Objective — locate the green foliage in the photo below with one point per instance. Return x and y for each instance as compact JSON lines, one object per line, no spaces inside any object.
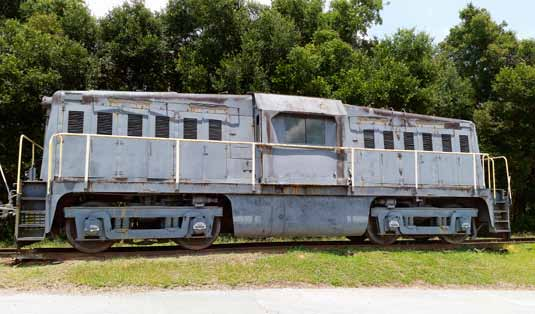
{"x":506,"y":125}
{"x":33,"y":63}
{"x":200,"y":34}
{"x":352,"y":18}
{"x":480,"y":48}
{"x":9,"y":9}
{"x":132,"y":52}
{"x":72,"y":15}
{"x":306,"y":15}
{"x":266,"y":44}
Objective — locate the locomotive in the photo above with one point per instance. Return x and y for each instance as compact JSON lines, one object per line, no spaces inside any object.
{"x":163,"y":166}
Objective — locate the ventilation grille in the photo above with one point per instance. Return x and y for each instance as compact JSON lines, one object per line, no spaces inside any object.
{"x":76,"y":122}
{"x":162,"y":127}
{"x":446,"y":143}
{"x":214,"y":130}
{"x":190,"y":128}
{"x":464,"y":144}
{"x":369,"y":139}
{"x":388,"y":138}
{"x":408,"y":140}
{"x":104,"y":123}
{"x":135,"y":125}
{"x":427,"y":139}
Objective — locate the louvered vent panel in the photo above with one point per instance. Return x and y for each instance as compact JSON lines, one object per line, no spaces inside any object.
{"x":190,"y":128}
{"x":427,"y":139}
{"x":446,"y":143}
{"x":408,"y":140}
{"x":135,"y":125}
{"x":162,"y":127}
{"x":464,"y":144}
{"x":214,"y":130}
{"x":104,"y":123}
{"x":76,"y":122}
{"x":369,"y":139}
{"x":388,"y":138}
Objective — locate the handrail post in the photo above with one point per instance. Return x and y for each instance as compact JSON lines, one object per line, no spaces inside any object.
{"x":33,"y":155}
{"x":19,"y":178}
{"x":87,"y":153}
{"x":489,"y":172}
{"x":50,"y":165}
{"x":493,"y":178}
{"x":416,"y":169}
{"x":177,"y":164}
{"x":253,"y":166}
{"x":474,"y":171}
{"x":353,"y":177}
{"x":60,"y":166}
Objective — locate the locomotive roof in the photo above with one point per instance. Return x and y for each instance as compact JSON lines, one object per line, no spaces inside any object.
{"x":263,"y":101}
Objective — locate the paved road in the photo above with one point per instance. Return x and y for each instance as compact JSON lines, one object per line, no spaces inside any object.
{"x":360,"y":301}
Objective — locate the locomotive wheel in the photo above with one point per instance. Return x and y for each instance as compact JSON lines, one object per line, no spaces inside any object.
{"x":197,"y":244}
{"x":90,"y":247}
{"x":455,"y":238}
{"x":373,"y":230}
{"x":357,"y":239}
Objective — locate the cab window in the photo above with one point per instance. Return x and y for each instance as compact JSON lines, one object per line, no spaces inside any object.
{"x":305,"y":130}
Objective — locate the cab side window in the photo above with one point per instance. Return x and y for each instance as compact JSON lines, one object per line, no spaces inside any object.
{"x":305,"y":130}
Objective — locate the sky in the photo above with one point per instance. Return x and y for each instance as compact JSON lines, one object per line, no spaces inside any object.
{"x":435,"y":17}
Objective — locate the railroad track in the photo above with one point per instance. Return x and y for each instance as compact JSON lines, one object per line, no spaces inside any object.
{"x":63,"y":254}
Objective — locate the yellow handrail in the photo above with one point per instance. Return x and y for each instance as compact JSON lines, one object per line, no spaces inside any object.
{"x":490,"y":164}
{"x":19,"y":177}
{"x":19,"y":167}
{"x":88,"y":137}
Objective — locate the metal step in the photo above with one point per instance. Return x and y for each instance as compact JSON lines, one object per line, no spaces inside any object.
{"x":25,"y":239}
{"x":33,"y":212}
{"x":31,"y":226}
{"x":32,"y":198}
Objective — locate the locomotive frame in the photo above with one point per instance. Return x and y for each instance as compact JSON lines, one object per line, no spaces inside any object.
{"x":353,"y":189}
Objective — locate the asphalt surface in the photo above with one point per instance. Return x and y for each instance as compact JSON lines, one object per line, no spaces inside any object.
{"x":414,"y":301}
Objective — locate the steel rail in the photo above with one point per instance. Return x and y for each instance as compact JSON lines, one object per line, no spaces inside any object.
{"x":173,"y":250}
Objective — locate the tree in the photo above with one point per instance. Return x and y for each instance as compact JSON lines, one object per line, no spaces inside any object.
{"x":480,"y":48}
{"x":200,"y":34}
{"x":266,"y":44}
{"x":305,"y":14}
{"x":132,"y":54}
{"x":9,"y":9}
{"x":506,"y":127}
{"x":451,"y":95}
{"x":352,"y":18}
{"x":73,"y":16}
{"x":526,"y":51}
{"x":33,"y":63}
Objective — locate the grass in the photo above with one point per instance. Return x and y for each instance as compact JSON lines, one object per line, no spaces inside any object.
{"x":512,"y":267}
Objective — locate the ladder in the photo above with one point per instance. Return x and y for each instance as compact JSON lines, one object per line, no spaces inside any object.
{"x":501,"y":212}
{"x":31,"y":212}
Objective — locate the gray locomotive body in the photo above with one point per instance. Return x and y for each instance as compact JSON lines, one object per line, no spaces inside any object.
{"x":136,"y":166}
